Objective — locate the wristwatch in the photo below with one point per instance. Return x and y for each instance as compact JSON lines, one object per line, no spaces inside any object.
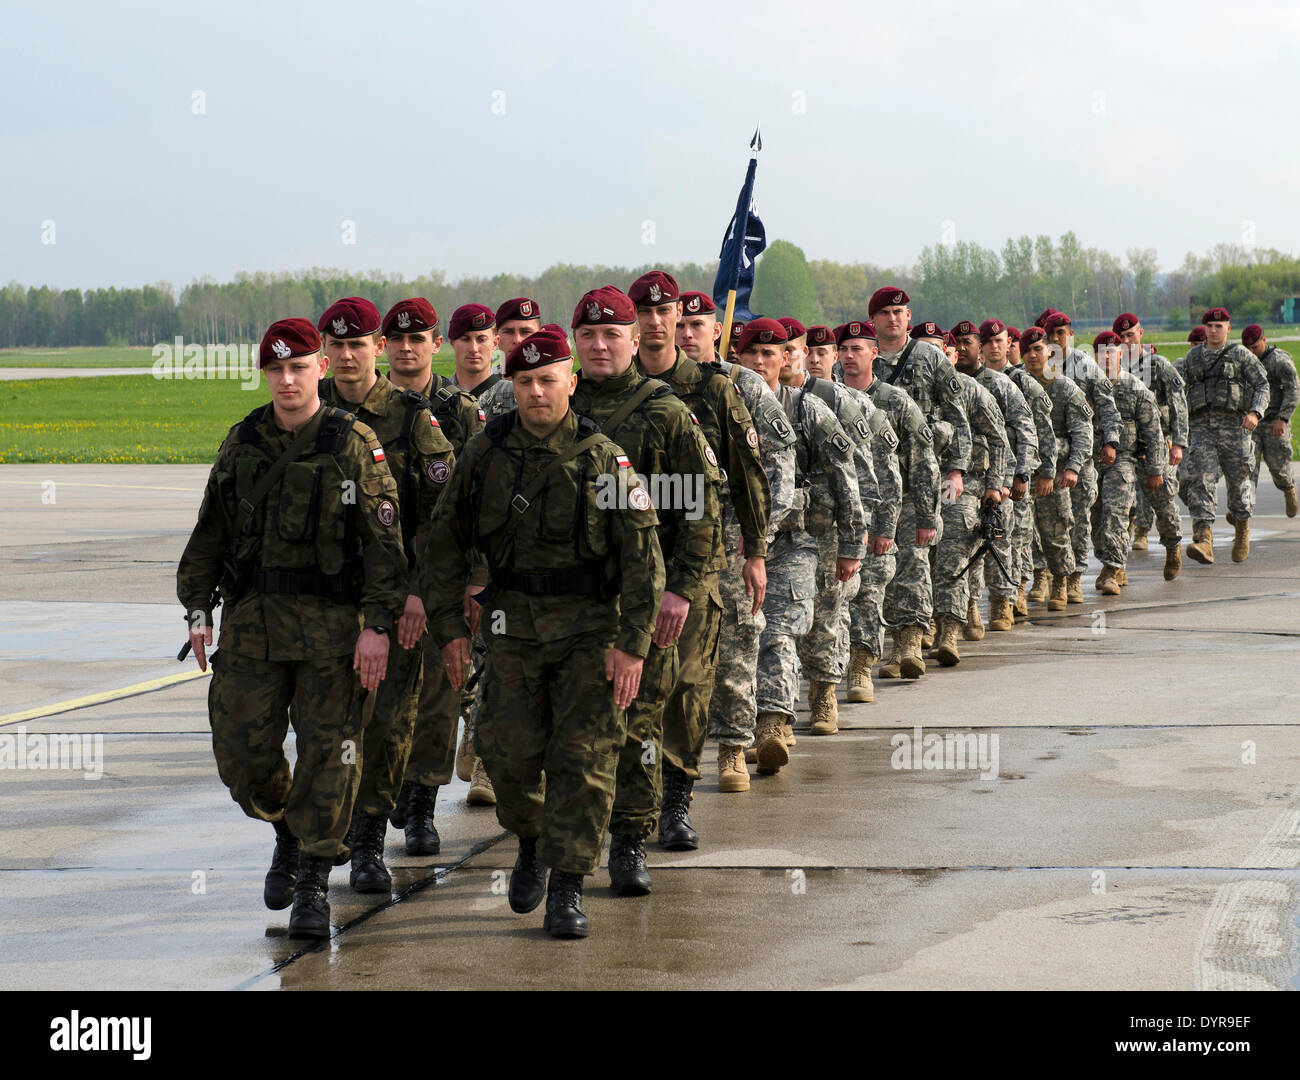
{"x":1023,"y":477}
{"x":378,"y":629}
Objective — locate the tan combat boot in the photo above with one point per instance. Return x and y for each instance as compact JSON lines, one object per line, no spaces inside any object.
{"x":787,"y":735}
{"x":1001,"y":616}
{"x":891,"y":668}
{"x":929,"y":633}
{"x":946,"y":651}
{"x":1021,"y":606}
{"x":480,"y":787}
{"x":770,"y":748}
{"x":1173,"y":560}
{"x":913,"y":665}
{"x":824,"y":709}
{"x":1042,"y":586}
{"x":1140,"y":540}
{"x":1121,"y":575}
{"x":860,"y":664}
{"x":1292,"y":501}
{"x":1202,"y":546}
{"x":1241,"y":542}
{"x":974,"y":628}
{"x":1074,"y":588}
{"x":1107,"y":582}
{"x":1059,"y":597}
{"x":732,"y":774}
{"x":465,"y":758}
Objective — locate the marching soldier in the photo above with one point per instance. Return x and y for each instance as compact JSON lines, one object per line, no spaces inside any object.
{"x":474,"y":338}
{"x":1273,"y":435}
{"x":299,"y":534}
{"x":820,"y":360}
{"x":567,"y":532}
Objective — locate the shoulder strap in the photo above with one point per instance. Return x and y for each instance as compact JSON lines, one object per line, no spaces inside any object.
{"x":249,"y":505}
{"x":641,"y":394}
{"x":892,"y":377}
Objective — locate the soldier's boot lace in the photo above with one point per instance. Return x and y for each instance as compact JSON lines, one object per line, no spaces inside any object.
{"x":421,"y":834}
{"x":564,"y":915}
{"x":676,"y":833}
{"x":310,"y":917}
{"x":369,"y":874}
{"x":528,"y":878}
{"x":628,"y":875}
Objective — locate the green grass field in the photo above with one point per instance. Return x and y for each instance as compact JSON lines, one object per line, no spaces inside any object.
{"x":106,"y":357}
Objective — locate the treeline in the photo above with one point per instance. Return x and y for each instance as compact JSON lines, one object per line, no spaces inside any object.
{"x":949,"y":282}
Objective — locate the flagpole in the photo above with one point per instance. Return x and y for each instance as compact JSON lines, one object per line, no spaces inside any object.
{"x":724,"y":345}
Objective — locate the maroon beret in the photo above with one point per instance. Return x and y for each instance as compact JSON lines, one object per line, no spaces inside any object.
{"x":964,"y":328}
{"x":926,"y":329}
{"x":820,"y":335}
{"x":1055,"y":319}
{"x":350,"y":317}
{"x":1252,"y":334}
{"x":1031,"y":336}
{"x":949,"y":339}
{"x":697,"y":303}
{"x":286,"y":338}
{"x":1216,"y":314}
{"x":1197,"y":335}
{"x":1124,"y":322}
{"x":761,"y":332}
{"x":737,"y":328}
{"x":887,"y":296}
{"x":469,"y":317}
{"x":848,"y":330}
{"x":793,"y":327}
{"x":411,"y":317}
{"x":654,"y":288}
{"x":549,"y":345}
{"x":1013,"y":334}
{"x":521,"y":307}
{"x":1041,"y":321}
{"x":989,"y":329}
{"x":1106,"y":337}
{"x":606,"y":306}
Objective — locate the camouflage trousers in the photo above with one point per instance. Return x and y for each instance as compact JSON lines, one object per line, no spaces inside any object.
{"x":866,"y":610}
{"x":1082,"y":496}
{"x":788,"y":608}
{"x":387,"y":741}
{"x":686,"y":713}
{"x":639,"y":786}
{"x":986,"y":568}
{"x":732,"y":708}
{"x":1275,"y":452}
{"x":1053,"y":524}
{"x":1020,"y":540}
{"x":1117,"y":486}
{"x":249,"y":706}
{"x":548,"y":707}
{"x":433,"y":742}
{"x":824,"y":650}
{"x":909,"y":597}
{"x":1161,"y":509}
{"x":1219,"y":444}
{"x":961,"y":536}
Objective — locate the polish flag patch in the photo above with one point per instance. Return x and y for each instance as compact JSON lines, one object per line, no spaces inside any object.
{"x":433,"y":421}
{"x":623,"y":462}
{"x":378,"y":451}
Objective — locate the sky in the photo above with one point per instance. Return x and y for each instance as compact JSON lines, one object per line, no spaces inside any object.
{"x":167,"y":142}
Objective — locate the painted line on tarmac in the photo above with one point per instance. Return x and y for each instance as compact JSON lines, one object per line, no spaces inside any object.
{"x":117,"y":487}
{"x":99,"y":699}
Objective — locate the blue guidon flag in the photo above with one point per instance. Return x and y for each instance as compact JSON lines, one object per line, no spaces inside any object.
{"x":744,"y":241}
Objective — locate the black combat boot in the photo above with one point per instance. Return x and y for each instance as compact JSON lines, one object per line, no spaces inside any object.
{"x":310,"y":917}
{"x":528,"y":878}
{"x":675,"y":830}
{"x":421,"y":837}
{"x":627,"y":873}
{"x":564,"y":917}
{"x":369,"y":874}
{"x":397,"y":819}
{"x":278,"y":891}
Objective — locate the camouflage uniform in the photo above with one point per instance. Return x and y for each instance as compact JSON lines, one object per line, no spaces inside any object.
{"x":663,"y":440}
{"x":498,"y":399}
{"x":290,"y":620}
{"x":1222,"y":386}
{"x":1161,"y":377}
{"x":1141,"y":440}
{"x":576,"y":581}
{"x":1084,"y":372}
{"x":1283,"y":397}
{"x":421,"y":460}
{"x":732,"y":707}
{"x":821,"y":447}
{"x":1040,"y":407}
{"x":726,"y":424}
{"x":1054,"y":513}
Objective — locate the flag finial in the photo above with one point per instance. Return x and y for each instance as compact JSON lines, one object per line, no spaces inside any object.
{"x":756,"y":143}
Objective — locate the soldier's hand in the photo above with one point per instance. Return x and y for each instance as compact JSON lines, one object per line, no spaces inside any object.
{"x":1068,"y":479}
{"x":410,"y":627}
{"x":1042,"y":486}
{"x":1279,"y":426}
{"x":1006,"y":494}
{"x":1250,"y":422}
{"x":371,"y":658}
{"x":455,"y":659}
{"x":1107,"y":456}
{"x":992,"y":495}
{"x":473,"y":609}
{"x":925,"y":537}
{"x":755,"y":575}
{"x":1175,"y":455}
{"x":881,"y":545}
{"x":672,"y":617}
{"x":846,"y":568}
{"x":1154,"y":482}
{"x":1018,"y":489}
{"x":953,"y":486}
{"x":624,"y":671}
{"x":198,"y":639}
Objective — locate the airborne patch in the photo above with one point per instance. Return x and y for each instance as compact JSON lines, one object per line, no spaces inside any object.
{"x":386,"y":512}
{"x":708,"y":453}
{"x":638,"y":499}
{"x":925,"y":434}
{"x":751,"y":437}
{"x":862,"y":427}
{"x":891,"y":440}
{"x":954,"y":385}
{"x":840,"y":443}
{"x":438,"y":472}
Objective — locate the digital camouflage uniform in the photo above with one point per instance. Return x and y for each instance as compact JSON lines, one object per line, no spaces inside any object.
{"x":1283,"y":397}
{"x":733,"y":441}
{"x":290,"y":622}
{"x":663,"y":440}
{"x":1054,"y":513}
{"x":421,"y":460}
{"x":1161,"y":377}
{"x":1084,"y":372}
{"x":577,"y":580}
{"x":1022,"y":533}
{"x":1141,"y":450}
{"x":1222,"y":386}
{"x":733,"y":707}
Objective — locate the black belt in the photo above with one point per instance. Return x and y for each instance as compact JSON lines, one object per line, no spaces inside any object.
{"x":311,"y":582}
{"x":549,"y":582}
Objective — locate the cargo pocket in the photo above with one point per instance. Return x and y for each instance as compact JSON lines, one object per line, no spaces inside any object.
{"x":298,"y":507}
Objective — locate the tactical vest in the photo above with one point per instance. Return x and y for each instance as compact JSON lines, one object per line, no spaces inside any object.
{"x":858,"y":429}
{"x":1213,"y":381}
{"x":1275,"y":391}
{"x":702,"y":408}
{"x":443,"y":394}
{"x":300,"y":539}
{"x":905,"y":375}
